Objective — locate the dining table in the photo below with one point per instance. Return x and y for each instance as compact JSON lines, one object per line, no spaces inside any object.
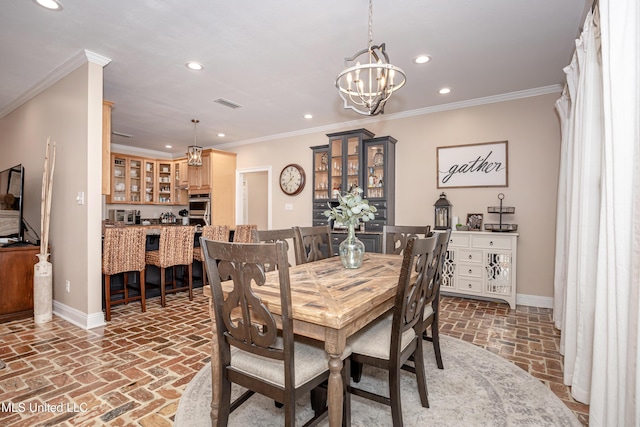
{"x":329,"y":304}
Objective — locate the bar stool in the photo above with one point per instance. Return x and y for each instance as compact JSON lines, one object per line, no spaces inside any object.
{"x":123,"y":252}
{"x":176,"y":249}
{"x":218,"y":233}
{"x":242,"y":233}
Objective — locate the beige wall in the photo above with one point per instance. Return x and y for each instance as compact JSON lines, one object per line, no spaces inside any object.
{"x":70,"y":112}
{"x":532,"y":129}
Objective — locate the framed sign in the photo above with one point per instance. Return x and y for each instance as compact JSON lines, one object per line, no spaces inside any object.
{"x":473,"y":165}
{"x":474,"y":221}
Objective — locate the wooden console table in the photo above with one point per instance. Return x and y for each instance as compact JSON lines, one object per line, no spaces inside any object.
{"x":16,"y":281}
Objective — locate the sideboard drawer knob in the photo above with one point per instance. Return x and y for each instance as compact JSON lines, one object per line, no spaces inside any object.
{"x":470,"y":257}
{"x":491,"y":243}
{"x":470,"y":286}
{"x":470,"y":271}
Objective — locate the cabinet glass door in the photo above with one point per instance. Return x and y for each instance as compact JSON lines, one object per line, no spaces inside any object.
{"x":135,"y":180}
{"x":164,"y":182}
{"x":335,"y":147}
{"x":321,"y":175}
{"x":149,"y":181}
{"x":352,"y":163}
{"x":375,"y":158}
{"x":119,"y":165}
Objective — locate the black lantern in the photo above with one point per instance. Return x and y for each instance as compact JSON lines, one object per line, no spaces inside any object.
{"x":442,"y":220}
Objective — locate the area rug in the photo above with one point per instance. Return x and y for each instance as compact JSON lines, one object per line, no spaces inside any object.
{"x":475,"y":388}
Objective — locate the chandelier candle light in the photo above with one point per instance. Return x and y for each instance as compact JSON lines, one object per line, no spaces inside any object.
{"x":194,"y":152}
{"x":351,"y":209}
{"x":366,"y":86}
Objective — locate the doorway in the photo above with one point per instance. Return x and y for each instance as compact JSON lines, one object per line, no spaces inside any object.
{"x":253,"y":197}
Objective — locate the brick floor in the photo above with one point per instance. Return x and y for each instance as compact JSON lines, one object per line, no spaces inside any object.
{"x":134,"y":370}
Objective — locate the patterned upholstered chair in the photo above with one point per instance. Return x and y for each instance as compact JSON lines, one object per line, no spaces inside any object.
{"x":252,"y":350}
{"x":175,"y":250}
{"x":402,"y":329}
{"x":219,"y":233}
{"x":242,"y":233}
{"x":123,"y":252}
{"x":395,"y":237}
{"x":313,"y":243}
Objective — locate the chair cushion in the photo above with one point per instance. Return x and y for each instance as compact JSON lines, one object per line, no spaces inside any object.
{"x":309,"y":362}
{"x":428,"y":311}
{"x":375,"y":339}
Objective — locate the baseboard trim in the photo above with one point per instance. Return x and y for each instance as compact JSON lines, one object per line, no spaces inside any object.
{"x":534,"y":301}
{"x":78,"y":318}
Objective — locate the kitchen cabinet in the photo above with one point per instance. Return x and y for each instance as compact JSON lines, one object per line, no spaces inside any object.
{"x":481,"y":264}
{"x":119,"y":179}
{"x":181,"y":182}
{"x":216,"y":177}
{"x":164,"y":182}
{"x":200,"y":176}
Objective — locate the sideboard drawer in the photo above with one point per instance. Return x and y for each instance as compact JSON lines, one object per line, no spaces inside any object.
{"x":470,"y":285}
{"x":459,"y":240}
{"x":492,"y":242}
{"x":471,"y":270}
{"x":470,"y":255}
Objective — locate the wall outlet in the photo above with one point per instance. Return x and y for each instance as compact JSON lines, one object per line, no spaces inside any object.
{"x":67,"y":286}
{"x":288,"y":206}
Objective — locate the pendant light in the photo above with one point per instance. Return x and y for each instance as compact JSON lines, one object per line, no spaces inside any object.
{"x":194,"y":152}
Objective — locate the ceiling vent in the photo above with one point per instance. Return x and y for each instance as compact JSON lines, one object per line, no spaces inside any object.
{"x":124,"y":135}
{"x":227,"y":103}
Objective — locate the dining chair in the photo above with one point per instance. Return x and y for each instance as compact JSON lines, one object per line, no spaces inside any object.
{"x":271,"y":236}
{"x":211,"y":232}
{"x":431,"y":308}
{"x":175,"y":250}
{"x":251,"y":350}
{"x":242,"y":233}
{"x":123,"y":252}
{"x":313,"y":243}
{"x":392,"y":340}
{"x":395,"y":237}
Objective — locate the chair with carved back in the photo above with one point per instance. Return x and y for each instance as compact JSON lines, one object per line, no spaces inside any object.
{"x":431,"y":308}
{"x":123,"y":252}
{"x":271,"y":236}
{"x":395,"y":237}
{"x":392,"y":340}
{"x":211,"y":232}
{"x":251,"y":351}
{"x":242,"y":233}
{"x":313,"y":243}
{"x":175,"y":250}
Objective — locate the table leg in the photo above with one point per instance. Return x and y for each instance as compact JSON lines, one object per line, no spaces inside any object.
{"x":334,"y":393}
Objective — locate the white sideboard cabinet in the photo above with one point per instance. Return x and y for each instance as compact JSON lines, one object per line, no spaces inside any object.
{"x":481,"y":264}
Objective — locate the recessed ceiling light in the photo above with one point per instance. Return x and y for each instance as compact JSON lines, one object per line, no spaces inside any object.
{"x":308,"y":116}
{"x":49,"y":4}
{"x":221,"y":135}
{"x":168,"y":146}
{"x":422,"y":59}
{"x":444,"y":91}
{"x":193,"y":65}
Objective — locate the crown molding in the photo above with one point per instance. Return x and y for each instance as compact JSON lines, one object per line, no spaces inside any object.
{"x":54,"y":76}
{"x":394,"y":116}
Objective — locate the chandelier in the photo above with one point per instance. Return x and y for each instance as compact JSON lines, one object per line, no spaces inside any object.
{"x":367,"y":85}
{"x":194,"y":152}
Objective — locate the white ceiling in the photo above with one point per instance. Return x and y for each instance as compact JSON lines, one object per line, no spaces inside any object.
{"x":279,"y":58}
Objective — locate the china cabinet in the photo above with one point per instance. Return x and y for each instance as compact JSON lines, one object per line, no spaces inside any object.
{"x":379,"y":162}
{"x":355,"y":159}
{"x":481,"y":264}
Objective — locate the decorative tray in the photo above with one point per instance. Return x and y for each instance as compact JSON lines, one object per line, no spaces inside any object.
{"x":501,"y":227}
{"x":501,"y":209}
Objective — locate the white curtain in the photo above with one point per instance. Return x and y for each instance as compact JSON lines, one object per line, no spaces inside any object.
{"x":597,"y":275}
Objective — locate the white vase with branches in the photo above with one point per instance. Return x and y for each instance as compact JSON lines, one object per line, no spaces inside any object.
{"x":43,"y":271}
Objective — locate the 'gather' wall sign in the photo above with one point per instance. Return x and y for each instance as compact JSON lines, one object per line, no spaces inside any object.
{"x":473,"y":165}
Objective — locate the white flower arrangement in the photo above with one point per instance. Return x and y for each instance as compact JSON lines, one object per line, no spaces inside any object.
{"x":351,"y":209}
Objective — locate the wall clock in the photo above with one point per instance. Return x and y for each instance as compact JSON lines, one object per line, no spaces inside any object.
{"x":292,"y":179}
